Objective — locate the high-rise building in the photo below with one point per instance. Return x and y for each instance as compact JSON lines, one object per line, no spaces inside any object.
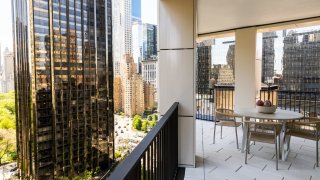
{"x":230,"y":56}
{"x":132,"y":87}
{"x":137,"y":90}
{"x":127,"y":27}
{"x":7,"y":76}
{"x":64,"y":78}
{"x":149,"y":95}
{"x":225,"y":75}
{"x":117,"y":34}
{"x":149,"y":41}
{"x":149,"y":71}
{"x":149,"y":76}
{"x":301,"y":62}
{"x":117,"y":87}
{"x":137,"y":43}
{"x":136,"y":10}
{"x":204,"y":66}
{"x":268,"y":55}
{"x":122,"y":32}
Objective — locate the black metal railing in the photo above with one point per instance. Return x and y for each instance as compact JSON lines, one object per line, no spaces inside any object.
{"x":205,"y":105}
{"x":307,"y":103}
{"x":156,"y":157}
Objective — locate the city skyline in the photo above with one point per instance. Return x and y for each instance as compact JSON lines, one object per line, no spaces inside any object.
{"x":220,"y":47}
{"x":148,"y":15}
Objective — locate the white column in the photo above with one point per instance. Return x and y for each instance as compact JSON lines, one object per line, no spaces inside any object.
{"x":247,"y":68}
{"x":176,"y":70}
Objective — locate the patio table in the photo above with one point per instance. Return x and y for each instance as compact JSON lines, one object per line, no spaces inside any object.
{"x":280,"y":115}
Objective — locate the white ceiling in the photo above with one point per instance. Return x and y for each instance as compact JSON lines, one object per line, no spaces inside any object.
{"x":220,"y":15}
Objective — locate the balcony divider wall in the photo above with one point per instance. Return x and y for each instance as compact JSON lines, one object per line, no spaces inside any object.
{"x":177,"y":70}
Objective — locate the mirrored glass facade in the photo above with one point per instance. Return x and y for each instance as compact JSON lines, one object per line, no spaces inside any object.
{"x":63,"y":81}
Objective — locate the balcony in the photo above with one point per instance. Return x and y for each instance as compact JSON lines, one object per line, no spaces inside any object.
{"x":222,"y":160}
{"x":183,"y":23}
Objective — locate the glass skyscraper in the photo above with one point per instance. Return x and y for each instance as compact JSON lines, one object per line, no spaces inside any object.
{"x":149,"y":41}
{"x":63,"y":84}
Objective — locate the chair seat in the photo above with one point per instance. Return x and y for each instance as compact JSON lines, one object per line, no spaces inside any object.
{"x":229,"y":123}
{"x":262,"y":137}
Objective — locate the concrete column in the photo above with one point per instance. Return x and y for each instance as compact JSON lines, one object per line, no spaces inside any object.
{"x":177,"y":70}
{"x":247,"y":68}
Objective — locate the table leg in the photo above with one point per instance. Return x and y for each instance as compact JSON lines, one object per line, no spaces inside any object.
{"x":244,"y":137}
{"x":284,"y":142}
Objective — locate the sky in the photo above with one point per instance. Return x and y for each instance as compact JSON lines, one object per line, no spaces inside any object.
{"x":149,"y":11}
{"x":5,"y":24}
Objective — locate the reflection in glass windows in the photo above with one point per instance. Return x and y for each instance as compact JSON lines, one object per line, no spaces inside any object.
{"x":64,"y":97}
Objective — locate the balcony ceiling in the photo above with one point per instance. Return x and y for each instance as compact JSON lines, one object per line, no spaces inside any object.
{"x":220,"y":15}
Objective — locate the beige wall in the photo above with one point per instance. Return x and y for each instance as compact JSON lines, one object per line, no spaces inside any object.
{"x":176,"y":70}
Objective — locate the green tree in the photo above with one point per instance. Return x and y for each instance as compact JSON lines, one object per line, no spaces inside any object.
{"x":7,"y":145}
{"x":63,"y":178}
{"x":7,"y":110}
{"x":149,"y":118}
{"x":137,"y":122}
{"x":77,"y":178}
{"x":87,"y":175}
{"x":155,"y":117}
{"x":10,"y":105}
{"x":144,"y":126}
{"x":153,"y":123}
{"x":7,"y":123}
{"x":7,"y":128}
{"x":137,"y":117}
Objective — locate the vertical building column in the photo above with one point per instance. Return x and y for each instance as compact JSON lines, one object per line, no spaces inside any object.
{"x":247,"y":69}
{"x":176,"y":70}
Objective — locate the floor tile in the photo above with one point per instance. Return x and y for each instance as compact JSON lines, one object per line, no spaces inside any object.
{"x":223,"y":160}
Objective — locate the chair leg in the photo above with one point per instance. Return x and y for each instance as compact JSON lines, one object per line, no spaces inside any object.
{"x":248,"y":142}
{"x":247,"y":148}
{"x":221,"y":133}
{"x":214,"y":133}
{"x":279,"y":148}
{"x":317,"y":151}
{"x":277,"y":156}
{"x":237,"y":137}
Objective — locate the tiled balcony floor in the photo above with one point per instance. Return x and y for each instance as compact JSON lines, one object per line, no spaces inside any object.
{"x":221,"y":161}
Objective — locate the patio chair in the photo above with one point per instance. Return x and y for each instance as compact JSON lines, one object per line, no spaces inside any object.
{"x":264,"y":131}
{"x":308,"y":128}
{"x":226,"y":117}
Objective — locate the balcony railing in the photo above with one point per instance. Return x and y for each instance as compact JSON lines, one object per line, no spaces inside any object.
{"x":307,"y":103}
{"x":156,"y":157}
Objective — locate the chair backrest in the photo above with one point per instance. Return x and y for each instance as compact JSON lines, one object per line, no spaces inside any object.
{"x":307,"y":124}
{"x":264,"y":126}
{"x":225,"y":115}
